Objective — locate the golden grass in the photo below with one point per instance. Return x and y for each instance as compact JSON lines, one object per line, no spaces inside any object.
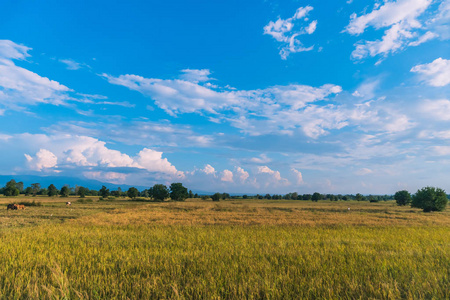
{"x":227,"y":250}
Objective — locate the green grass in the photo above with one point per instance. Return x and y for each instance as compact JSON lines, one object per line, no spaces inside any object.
{"x":228,"y":250}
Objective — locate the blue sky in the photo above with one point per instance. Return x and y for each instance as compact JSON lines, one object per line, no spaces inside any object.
{"x":242,"y":97}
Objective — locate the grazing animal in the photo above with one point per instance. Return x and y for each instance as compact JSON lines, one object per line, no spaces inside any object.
{"x":348,"y":208}
{"x":68,"y":203}
{"x":19,"y":206}
{"x":11,"y":206}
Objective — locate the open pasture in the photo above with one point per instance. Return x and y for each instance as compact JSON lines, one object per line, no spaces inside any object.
{"x":256,"y":249}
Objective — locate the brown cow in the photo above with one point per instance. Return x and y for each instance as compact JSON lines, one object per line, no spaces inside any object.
{"x":11,"y":206}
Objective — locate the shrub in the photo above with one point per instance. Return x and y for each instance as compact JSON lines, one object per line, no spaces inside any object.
{"x":402,"y":197}
{"x":28,"y":203}
{"x":430,"y":199}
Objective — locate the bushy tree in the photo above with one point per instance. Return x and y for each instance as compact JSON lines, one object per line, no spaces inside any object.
{"x":316,"y":197}
{"x":216,"y":197}
{"x":52,"y":190}
{"x":178,"y":192}
{"x":430,"y":199}
{"x":359,"y":197}
{"x":306,"y":197}
{"x":160,"y":192}
{"x":28,"y":191}
{"x":82,"y":191}
{"x":402,"y":197}
{"x":104,"y":192}
{"x":36,"y":188}
{"x":11,"y":189}
{"x":65,"y":191}
{"x":132,"y":192}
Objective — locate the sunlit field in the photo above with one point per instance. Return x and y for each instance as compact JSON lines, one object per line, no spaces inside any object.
{"x":234,"y":249}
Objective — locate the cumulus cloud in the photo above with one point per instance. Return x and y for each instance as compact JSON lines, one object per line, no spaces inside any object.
{"x":288,"y":30}
{"x":68,"y":152}
{"x":43,"y":159}
{"x":436,"y":73}
{"x":405,"y":23}
{"x":241,"y":174}
{"x":208,"y":169}
{"x":298,"y":176}
{"x":227,"y":176}
{"x":271,"y":177}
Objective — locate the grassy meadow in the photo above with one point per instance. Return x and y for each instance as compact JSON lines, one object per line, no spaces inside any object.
{"x":234,"y":249}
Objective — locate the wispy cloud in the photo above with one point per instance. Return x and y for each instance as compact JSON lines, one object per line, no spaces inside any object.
{"x":287,"y":31}
{"x":436,"y":73}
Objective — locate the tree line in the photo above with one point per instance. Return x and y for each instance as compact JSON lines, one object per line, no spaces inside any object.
{"x":427,"y":198}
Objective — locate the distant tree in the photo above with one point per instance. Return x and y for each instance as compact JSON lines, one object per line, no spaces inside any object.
{"x":115,"y":194}
{"x":226,"y":196}
{"x":104,"y":192}
{"x":244,"y":196}
{"x":306,"y":197}
{"x":52,"y":190}
{"x":36,"y":188}
{"x":267,"y":196}
{"x":178,"y":192}
{"x":160,"y":192}
{"x":11,"y":189}
{"x":402,"y":197}
{"x":19,"y":186}
{"x":196,"y":195}
{"x":43,"y":191}
{"x":316,"y":197}
{"x":191,"y":194}
{"x":82,"y":191}
{"x":28,"y":191}
{"x":359,"y":197}
{"x":144,"y":193}
{"x":65,"y":191}
{"x":345,"y":198}
{"x":430,"y":199}
{"x":216,"y":197}
{"x":132,"y":192}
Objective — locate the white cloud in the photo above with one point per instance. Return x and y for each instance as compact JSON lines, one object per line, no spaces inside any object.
{"x":71,"y":64}
{"x":208,"y":169}
{"x":262,"y":159}
{"x":43,"y":159}
{"x":436,"y":73}
{"x":267,"y":170}
{"x":195,"y":75}
{"x":363,"y":171}
{"x":283,"y":31}
{"x":111,"y":177}
{"x":441,"y":150}
{"x":298,"y":176}
{"x":244,"y":109}
{"x":404,"y":28}
{"x":22,"y":87}
{"x":227,"y":176}
{"x":69,"y":152}
{"x":436,"y":109}
{"x":241,"y":174}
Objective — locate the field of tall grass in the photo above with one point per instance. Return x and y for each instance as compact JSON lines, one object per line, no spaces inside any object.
{"x":251,"y":249}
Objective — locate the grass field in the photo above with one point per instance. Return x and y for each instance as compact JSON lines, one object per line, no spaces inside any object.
{"x":251,"y":249}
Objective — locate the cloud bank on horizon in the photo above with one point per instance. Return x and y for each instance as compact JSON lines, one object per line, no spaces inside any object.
{"x":363,"y":107}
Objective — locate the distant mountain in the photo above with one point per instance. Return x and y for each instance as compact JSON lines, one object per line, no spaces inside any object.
{"x":60,"y":181}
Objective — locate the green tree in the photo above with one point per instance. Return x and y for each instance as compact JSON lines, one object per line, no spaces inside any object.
{"x":28,"y":191}
{"x":52,"y":190}
{"x":191,"y":194}
{"x":104,"y":192}
{"x":132,"y":192}
{"x":178,"y":192}
{"x":36,"y":188}
{"x":65,"y":191}
{"x":316,"y":197}
{"x":359,"y":197}
{"x":82,"y":191}
{"x":19,"y":186}
{"x":216,"y":197}
{"x":11,"y":189}
{"x":402,"y":197}
{"x":160,"y":192}
{"x":306,"y":197}
{"x":430,"y":199}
